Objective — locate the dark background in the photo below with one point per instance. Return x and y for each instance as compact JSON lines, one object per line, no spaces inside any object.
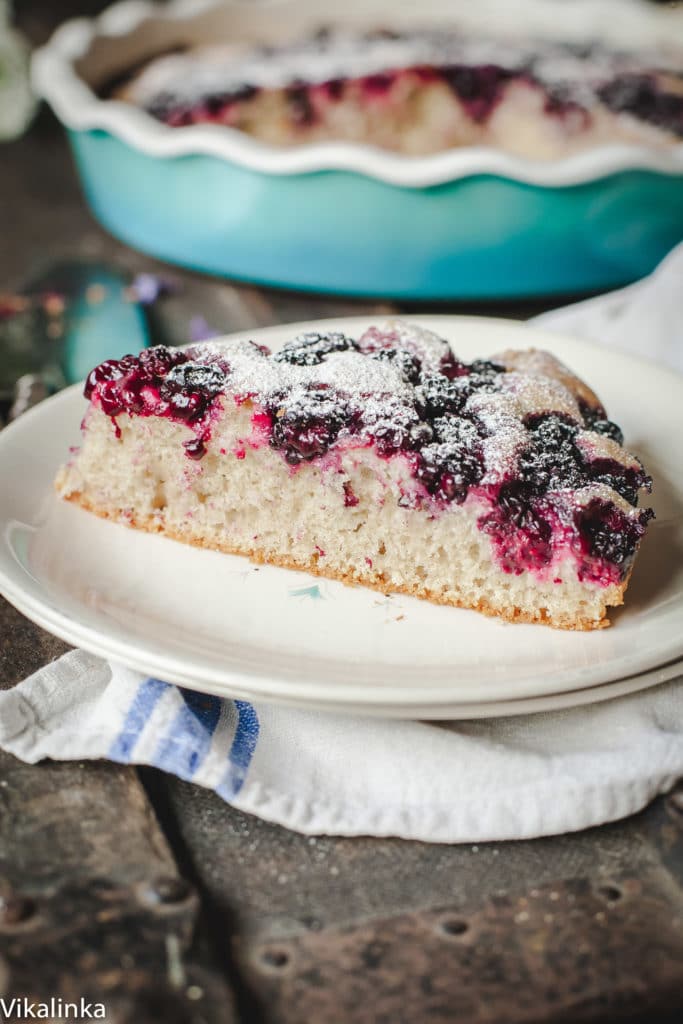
{"x":130,"y":887}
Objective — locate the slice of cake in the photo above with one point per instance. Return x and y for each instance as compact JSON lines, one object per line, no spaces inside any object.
{"x":419,"y":92}
{"x":498,"y":485}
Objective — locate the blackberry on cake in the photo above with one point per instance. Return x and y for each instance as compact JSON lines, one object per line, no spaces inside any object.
{"x":382,"y":460}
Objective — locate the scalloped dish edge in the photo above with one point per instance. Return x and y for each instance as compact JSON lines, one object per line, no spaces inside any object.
{"x":55,"y":78}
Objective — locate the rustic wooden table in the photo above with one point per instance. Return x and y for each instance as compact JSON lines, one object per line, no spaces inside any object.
{"x":126,"y":886}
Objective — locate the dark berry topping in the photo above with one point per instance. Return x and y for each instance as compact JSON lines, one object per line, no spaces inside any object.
{"x":165,"y":106}
{"x":406,"y":363}
{"x":429,"y":354}
{"x":307,"y":423}
{"x":590,"y":413}
{"x":525,"y":508}
{"x":639,"y":95}
{"x":440,"y":396}
{"x":157,"y":361}
{"x":159,"y":382}
{"x":350,"y":499}
{"x":195,"y":448}
{"x":609,"y":429}
{"x":560,"y":101}
{"x":450,"y":367}
{"x":423,"y":407}
{"x":521,"y":533}
{"x":334,"y":89}
{"x":554,"y":461}
{"x":301,"y":109}
{"x":479,"y":88}
{"x":453,"y":464}
{"x":310,"y":349}
{"x":609,"y":534}
{"x":208,"y":378}
{"x":377,"y":85}
{"x":177,"y":113}
{"x":394,"y":427}
{"x":191,"y":388}
{"x":485,"y":368}
{"x":111,"y":398}
{"x":106,"y":371}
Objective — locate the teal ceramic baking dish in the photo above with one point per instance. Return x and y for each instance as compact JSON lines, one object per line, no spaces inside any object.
{"x":346,"y":218}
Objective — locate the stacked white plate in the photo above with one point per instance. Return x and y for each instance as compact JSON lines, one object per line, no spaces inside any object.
{"x":219,"y":624}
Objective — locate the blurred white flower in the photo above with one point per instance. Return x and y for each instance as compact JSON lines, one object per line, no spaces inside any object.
{"x":17,"y":103}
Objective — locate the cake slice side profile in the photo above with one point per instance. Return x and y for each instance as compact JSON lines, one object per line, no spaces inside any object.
{"x":498,"y":485}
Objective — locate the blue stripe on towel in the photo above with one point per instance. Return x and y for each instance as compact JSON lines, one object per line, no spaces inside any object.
{"x":145,"y":700}
{"x":189,"y":736}
{"x":241,"y":752}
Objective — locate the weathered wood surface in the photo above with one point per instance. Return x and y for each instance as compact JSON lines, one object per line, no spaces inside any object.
{"x":91,"y":900}
{"x":159,"y":899}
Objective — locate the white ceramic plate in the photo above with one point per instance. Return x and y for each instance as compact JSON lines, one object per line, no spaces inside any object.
{"x":220,"y":624}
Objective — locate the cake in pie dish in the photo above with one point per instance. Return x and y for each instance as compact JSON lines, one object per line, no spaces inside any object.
{"x":419,"y":92}
{"x":383,"y":460}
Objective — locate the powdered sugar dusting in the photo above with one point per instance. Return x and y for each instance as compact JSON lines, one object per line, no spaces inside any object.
{"x":533,"y":395}
{"x":506,"y":434}
{"x":534,"y":449}
{"x":341,"y":54}
{"x":431,"y":404}
{"x":597,"y":446}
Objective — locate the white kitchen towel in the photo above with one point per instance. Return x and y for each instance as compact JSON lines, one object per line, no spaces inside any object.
{"x":319,"y":773}
{"x":506,"y":778}
{"x":645,"y":319}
